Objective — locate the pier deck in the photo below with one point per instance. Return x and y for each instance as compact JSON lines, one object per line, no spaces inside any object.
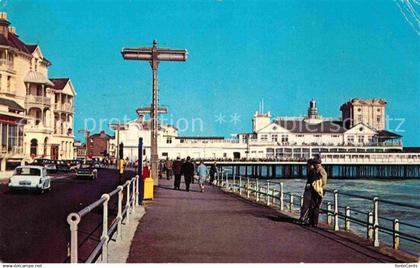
{"x":218,"y":227}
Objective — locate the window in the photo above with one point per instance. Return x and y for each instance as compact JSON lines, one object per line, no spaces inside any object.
{"x":264,"y":137}
{"x":359,"y":118}
{"x":378,"y":118}
{"x":9,"y":78}
{"x":317,"y":136}
{"x":164,"y":154}
{"x":284,"y":138}
{"x":300,"y":135}
{"x":335,"y":136}
{"x":274,"y":137}
{"x":350,"y":139}
{"x":169,"y":140}
{"x":361,"y":139}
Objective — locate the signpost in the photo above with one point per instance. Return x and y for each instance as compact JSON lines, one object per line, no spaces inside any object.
{"x":154,"y":56}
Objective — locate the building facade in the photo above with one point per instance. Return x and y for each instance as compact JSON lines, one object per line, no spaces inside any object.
{"x":31,"y":104}
{"x":278,"y":139}
{"x":99,"y":145}
{"x":366,"y":111}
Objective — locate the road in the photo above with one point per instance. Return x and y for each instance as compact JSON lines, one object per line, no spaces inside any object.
{"x":33,"y":227}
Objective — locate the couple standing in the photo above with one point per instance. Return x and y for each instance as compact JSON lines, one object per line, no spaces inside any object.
{"x":314,"y":191}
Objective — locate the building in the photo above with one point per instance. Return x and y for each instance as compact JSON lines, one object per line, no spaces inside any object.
{"x":32,"y":105}
{"x":370,"y":112}
{"x":99,"y":145}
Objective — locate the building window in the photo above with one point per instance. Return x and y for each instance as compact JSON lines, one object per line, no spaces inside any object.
{"x":169,"y":140}
{"x":361,"y":139}
{"x":9,"y":78}
{"x":264,"y":137}
{"x":300,"y":135}
{"x":359,"y":118}
{"x":350,"y":139}
{"x":378,"y":118}
{"x":317,"y":136}
{"x":284,"y":138}
{"x":274,"y":137}
{"x":335,"y":136}
{"x":164,"y":154}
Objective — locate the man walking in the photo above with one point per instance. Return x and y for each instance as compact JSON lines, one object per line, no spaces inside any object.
{"x":202,"y":172}
{"x":188,"y":171}
{"x":168,"y":168}
{"x":177,"y":168}
{"x":213,"y":171}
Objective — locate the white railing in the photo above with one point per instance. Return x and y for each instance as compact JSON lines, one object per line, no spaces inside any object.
{"x":38,"y":100}
{"x":73,"y":219}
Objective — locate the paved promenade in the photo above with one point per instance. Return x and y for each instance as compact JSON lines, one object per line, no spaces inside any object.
{"x":218,"y":227}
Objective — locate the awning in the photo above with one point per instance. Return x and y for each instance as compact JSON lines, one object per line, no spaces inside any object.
{"x":37,"y":78}
{"x":11,"y":104}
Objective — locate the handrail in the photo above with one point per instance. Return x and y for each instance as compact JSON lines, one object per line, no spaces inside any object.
{"x":74,"y":219}
{"x":263,"y":191}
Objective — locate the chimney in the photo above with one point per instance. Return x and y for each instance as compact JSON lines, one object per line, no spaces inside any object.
{"x":4,"y":25}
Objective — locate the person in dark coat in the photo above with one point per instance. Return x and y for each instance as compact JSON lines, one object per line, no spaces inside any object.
{"x":213,"y":171}
{"x":320,"y":176}
{"x":177,"y":169}
{"x":188,"y":171}
{"x":307,"y":194}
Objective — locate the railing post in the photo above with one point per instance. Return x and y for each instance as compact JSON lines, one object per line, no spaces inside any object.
{"x":329,"y":210}
{"x":234,"y":181}
{"x":133,"y":193}
{"x":119,"y":213}
{"x":376,"y":221}
{"x":268,"y":193}
{"x":247,"y":188}
{"x":127,"y":203}
{"x":347,"y":219}
{"x":137,"y":191}
{"x":291,"y":202}
{"x":73,"y":220}
{"x":105,"y":228}
{"x":396,"y":234}
{"x":281,"y":196}
{"x":369,"y":225}
{"x":336,"y":227}
{"x":240,"y":185}
{"x":257,"y":191}
{"x":301,"y":202}
{"x":227,"y":181}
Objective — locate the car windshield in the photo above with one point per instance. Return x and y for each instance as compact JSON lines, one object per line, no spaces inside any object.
{"x":85,"y":166}
{"x":27,"y":171}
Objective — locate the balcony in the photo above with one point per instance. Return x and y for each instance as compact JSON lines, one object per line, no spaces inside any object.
{"x":64,"y":107}
{"x":11,"y":150}
{"x":6,"y":65}
{"x":37,"y":101}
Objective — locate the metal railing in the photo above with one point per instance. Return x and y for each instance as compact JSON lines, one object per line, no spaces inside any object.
{"x":271,"y":193}
{"x":132,"y":192}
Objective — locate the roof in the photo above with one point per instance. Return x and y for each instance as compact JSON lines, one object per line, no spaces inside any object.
{"x":101,"y":133}
{"x":388,"y":134}
{"x":11,"y":104}
{"x":37,"y":78}
{"x":59,"y":83}
{"x":301,"y":126}
{"x":14,"y":41}
{"x":31,"y":48}
{"x":200,"y":138}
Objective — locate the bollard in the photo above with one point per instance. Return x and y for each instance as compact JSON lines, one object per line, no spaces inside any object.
{"x":281,"y":196}
{"x":119,"y":214}
{"x":396,"y":234}
{"x":291,"y":202}
{"x":105,"y":228}
{"x":257,"y":191}
{"x":369,"y":232}
{"x":347,"y":219}
{"x":73,"y":220}
{"x":329,"y":206}
{"x":336,"y":227}
{"x":375,"y":222}
{"x":247,"y":188}
{"x":268,"y":193}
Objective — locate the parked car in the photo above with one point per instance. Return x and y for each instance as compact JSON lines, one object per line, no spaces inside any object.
{"x":30,"y":177}
{"x":87,"y":170}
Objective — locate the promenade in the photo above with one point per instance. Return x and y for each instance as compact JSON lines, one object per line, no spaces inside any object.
{"x":219,"y":227}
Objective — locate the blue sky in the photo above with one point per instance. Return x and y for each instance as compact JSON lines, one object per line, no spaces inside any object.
{"x":285,"y":52}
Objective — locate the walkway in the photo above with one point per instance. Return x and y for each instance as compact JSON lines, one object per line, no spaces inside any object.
{"x":218,"y":227}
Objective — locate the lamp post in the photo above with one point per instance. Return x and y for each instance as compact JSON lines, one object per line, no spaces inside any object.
{"x":154,"y":56}
{"x":86,"y":137}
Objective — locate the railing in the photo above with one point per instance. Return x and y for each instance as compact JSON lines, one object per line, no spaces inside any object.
{"x":101,"y":249}
{"x":6,"y":64}
{"x":272,"y":193}
{"x":39,"y":100}
{"x":67,"y":107}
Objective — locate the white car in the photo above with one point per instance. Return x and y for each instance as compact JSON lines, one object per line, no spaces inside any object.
{"x":30,"y":177}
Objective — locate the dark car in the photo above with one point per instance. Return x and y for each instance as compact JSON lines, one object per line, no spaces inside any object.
{"x":87,"y":170}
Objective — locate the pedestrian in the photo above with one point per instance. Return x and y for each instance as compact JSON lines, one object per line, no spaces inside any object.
{"x":177,"y":169}
{"x":188,"y":171}
{"x":213,"y":171}
{"x":168,"y":168}
{"x":145,"y":173}
{"x":307,"y":194}
{"x":202,"y":173}
{"x":318,"y":188}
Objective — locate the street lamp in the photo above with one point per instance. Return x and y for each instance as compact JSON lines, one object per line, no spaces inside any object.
{"x":154,"y":56}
